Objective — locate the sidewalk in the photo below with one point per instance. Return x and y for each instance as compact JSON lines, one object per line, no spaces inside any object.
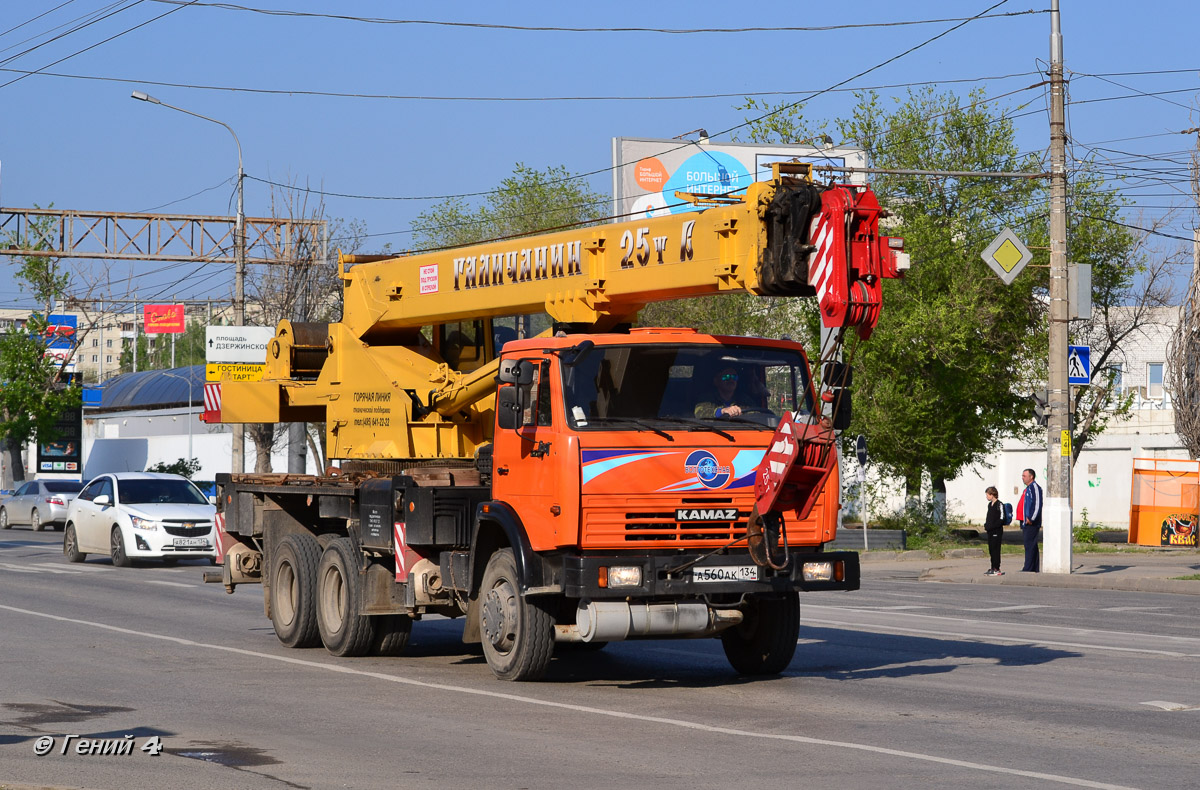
{"x":1138,"y":570}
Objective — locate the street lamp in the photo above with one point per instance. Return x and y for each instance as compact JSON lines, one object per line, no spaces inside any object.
{"x":239,"y":245}
{"x":188,"y":381}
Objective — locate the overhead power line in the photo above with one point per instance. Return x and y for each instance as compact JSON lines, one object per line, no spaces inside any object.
{"x":552,"y":29}
{"x":419,"y":97}
{"x":102,"y":42}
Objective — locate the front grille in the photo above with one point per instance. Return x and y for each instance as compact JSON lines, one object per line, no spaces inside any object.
{"x":188,"y":532}
{"x":609,"y":526}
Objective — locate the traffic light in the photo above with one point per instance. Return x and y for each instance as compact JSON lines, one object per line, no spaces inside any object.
{"x":1041,"y":407}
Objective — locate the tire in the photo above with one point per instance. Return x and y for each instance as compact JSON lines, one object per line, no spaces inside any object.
{"x":35,"y":521}
{"x":71,"y":545}
{"x":293,"y":577}
{"x":4,"y":523}
{"x":518,"y":634}
{"x":119,"y":558}
{"x":343,"y":630}
{"x":391,"y":634}
{"x":765,"y":641}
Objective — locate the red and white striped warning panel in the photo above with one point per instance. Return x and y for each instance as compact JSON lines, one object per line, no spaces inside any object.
{"x":212,"y":402}
{"x":219,"y":522}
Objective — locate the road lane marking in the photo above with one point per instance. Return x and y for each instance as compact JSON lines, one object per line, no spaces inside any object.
{"x":172,"y":584}
{"x":1023,"y":640}
{"x":1186,"y":641}
{"x":1132,"y":608}
{"x":1015,"y":608}
{"x":18,"y":568}
{"x":1172,"y":706}
{"x":586,"y":709}
{"x":80,"y":568}
{"x":897,"y":608}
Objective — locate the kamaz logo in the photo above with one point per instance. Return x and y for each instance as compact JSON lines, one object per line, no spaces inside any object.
{"x":706,"y":514}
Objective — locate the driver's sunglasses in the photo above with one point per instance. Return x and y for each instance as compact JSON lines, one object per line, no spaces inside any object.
{"x":729,"y":377}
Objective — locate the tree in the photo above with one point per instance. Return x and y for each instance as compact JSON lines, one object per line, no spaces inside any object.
{"x":34,"y":388}
{"x":935,"y":387}
{"x":1183,"y":355}
{"x":526,"y":202}
{"x":154,"y":353}
{"x":1131,"y":287}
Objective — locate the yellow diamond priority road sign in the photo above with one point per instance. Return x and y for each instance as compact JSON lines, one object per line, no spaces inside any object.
{"x":1007,"y":256}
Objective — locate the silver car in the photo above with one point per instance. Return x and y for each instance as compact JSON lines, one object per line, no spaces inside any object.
{"x":39,"y":503}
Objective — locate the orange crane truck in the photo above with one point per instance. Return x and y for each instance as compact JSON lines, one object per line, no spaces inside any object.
{"x":590,"y":484}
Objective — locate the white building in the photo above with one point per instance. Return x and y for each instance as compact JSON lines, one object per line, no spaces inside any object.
{"x":1102,"y":479}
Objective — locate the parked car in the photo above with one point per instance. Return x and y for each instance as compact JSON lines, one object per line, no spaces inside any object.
{"x":39,"y":503}
{"x":131,"y":515}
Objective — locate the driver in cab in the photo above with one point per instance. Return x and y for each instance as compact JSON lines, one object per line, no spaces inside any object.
{"x":724,"y":400}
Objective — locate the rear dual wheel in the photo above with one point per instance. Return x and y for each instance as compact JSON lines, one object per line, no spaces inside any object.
{"x":293,"y":576}
{"x":343,"y":630}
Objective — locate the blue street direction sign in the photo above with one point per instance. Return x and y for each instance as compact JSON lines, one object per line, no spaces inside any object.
{"x":1079,"y":365}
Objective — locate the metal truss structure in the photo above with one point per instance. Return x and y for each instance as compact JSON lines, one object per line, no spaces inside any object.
{"x":157,"y":237}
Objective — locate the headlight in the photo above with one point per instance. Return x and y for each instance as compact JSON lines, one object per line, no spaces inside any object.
{"x":818,"y":571}
{"x":143,"y":523}
{"x":621,"y":576}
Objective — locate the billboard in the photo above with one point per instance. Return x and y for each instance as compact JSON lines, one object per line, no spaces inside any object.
{"x":65,"y":453}
{"x":648,"y":172}
{"x":164,"y":319}
{"x":60,"y":337}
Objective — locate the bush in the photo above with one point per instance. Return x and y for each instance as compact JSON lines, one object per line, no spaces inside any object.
{"x":1085,"y":530}
{"x":185,"y":467}
{"x":922,"y":522}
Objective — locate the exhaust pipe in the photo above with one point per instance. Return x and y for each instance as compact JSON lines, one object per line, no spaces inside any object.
{"x":614,"y":621}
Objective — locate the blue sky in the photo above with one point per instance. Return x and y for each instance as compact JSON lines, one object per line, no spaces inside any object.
{"x":84,"y":144}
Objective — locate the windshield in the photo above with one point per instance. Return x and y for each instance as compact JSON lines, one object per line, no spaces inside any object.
{"x":699,"y":386}
{"x":142,"y":492}
{"x":63,"y":487}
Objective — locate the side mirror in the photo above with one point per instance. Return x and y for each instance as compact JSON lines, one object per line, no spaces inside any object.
{"x":515,"y":371}
{"x":212,"y":500}
{"x":104,"y":500}
{"x":508,"y":408}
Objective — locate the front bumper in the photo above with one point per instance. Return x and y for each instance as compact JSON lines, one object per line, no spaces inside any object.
{"x":671,"y":575}
{"x":159,"y":543}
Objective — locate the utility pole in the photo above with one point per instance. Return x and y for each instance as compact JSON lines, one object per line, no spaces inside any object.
{"x":1056,"y":512}
{"x":239,"y":249}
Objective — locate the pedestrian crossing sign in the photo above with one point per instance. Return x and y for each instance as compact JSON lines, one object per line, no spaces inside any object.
{"x":1079,"y":365}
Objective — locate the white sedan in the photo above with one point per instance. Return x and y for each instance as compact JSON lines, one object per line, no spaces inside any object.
{"x":133,"y":515}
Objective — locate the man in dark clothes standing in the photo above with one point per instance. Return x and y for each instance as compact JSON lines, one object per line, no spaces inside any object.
{"x":1029,"y":516}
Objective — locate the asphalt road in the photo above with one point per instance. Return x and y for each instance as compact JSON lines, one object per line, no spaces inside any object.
{"x":903,"y":684}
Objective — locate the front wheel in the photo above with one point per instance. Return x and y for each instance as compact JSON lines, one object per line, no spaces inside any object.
{"x":518,"y":634}
{"x":71,"y":545}
{"x":120,"y":558}
{"x":765,"y":641}
{"x":4,"y":519}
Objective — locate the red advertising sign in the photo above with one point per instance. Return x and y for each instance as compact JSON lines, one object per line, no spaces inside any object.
{"x":164,"y":319}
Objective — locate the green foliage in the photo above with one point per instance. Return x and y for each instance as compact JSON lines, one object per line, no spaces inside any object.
{"x":32,"y":394}
{"x":185,"y":467}
{"x":922,"y":520}
{"x":33,"y":389}
{"x":1085,"y":531}
{"x":529,"y":201}
{"x":939,"y":383}
{"x":189,"y":350}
